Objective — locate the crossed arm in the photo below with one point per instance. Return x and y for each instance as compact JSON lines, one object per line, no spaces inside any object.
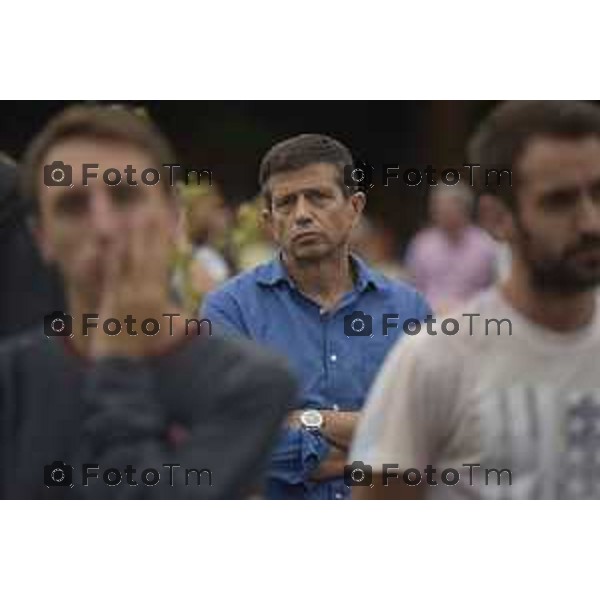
{"x":338,"y":429}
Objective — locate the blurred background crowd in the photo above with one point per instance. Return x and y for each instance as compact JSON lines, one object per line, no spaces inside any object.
{"x":431,"y":236}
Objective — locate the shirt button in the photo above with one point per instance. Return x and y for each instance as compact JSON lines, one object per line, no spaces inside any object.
{"x":335,"y":407}
{"x":333,"y":357}
{"x":339,"y":496}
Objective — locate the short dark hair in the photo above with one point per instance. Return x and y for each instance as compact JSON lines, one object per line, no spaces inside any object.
{"x":301,"y":151}
{"x":100,"y":122}
{"x":500,"y":139}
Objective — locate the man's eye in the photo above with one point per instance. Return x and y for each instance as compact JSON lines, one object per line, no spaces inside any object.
{"x":560,"y":200}
{"x":282,"y":202}
{"x":73,"y":204}
{"x":320,"y":198}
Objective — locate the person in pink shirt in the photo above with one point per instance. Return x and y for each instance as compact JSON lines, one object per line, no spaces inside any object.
{"x":452,"y":259}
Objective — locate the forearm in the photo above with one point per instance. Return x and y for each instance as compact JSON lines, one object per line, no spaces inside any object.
{"x":124,"y":426}
{"x":332,"y":465}
{"x":302,"y":455}
{"x":127,"y":423}
{"x":339,"y":426}
{"x":335,"y":437}
{"x":297,"y":455}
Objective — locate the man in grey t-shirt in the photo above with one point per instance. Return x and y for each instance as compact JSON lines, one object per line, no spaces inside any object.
{"x":506,"y":403}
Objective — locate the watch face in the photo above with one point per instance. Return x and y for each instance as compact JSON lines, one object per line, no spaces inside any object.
{"x":311,"y":419}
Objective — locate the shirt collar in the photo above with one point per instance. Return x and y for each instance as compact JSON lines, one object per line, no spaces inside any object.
{"x":274,"y":272}
{"x":367,"y":277}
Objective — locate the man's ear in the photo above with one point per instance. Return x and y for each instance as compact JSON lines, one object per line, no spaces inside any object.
{"x":495,"y":217}
{"x":266,"y":217}
{"x":173,"y":206}
{"x":178,"y":225}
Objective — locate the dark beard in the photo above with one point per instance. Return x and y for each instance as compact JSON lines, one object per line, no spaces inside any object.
{"x":559,"y":275}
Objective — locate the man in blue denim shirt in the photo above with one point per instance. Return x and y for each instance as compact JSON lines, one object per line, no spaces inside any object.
{"x":332,"y":316}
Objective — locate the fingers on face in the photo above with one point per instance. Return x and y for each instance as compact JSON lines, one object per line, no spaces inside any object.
{"x":139,"y":255}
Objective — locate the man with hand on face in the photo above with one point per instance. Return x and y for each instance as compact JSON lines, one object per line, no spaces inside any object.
{"x":509,"y":406}
{"x":320,"y":307}
{"x":199,"y":412}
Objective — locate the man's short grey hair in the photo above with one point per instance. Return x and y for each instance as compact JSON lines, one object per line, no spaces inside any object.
{"x":461,"y":191}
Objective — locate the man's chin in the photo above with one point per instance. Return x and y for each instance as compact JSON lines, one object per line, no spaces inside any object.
{"x":309,"y":253}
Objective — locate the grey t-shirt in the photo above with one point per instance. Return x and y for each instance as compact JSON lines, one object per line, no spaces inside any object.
{"x":203,"y":417}
{"x":523,"y":402}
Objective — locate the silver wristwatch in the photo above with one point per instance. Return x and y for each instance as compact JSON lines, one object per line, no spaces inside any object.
{"x":312,"y":420}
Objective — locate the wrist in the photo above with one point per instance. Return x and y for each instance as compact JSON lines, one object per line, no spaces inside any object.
{"x":312,"y":420}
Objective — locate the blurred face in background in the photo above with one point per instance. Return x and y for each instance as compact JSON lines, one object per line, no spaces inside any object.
{"x":556,"y":229}
{"x":77,"y":224}
{"x":208,"y":217}
{"x":448,"y":209}
{"x":310,"y":217}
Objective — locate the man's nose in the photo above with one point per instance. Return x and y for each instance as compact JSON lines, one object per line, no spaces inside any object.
{"x":303,"y":213}
{"x":103,"y":217}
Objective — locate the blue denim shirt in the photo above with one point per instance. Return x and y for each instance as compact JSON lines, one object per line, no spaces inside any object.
{"x":335,"y":370}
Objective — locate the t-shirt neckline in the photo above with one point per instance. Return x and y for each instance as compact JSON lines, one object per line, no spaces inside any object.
{"x":544,"y":336}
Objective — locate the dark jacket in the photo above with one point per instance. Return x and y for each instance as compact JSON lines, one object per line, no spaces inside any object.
{"x":70,"y":427}
{"x":29,"y":289}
